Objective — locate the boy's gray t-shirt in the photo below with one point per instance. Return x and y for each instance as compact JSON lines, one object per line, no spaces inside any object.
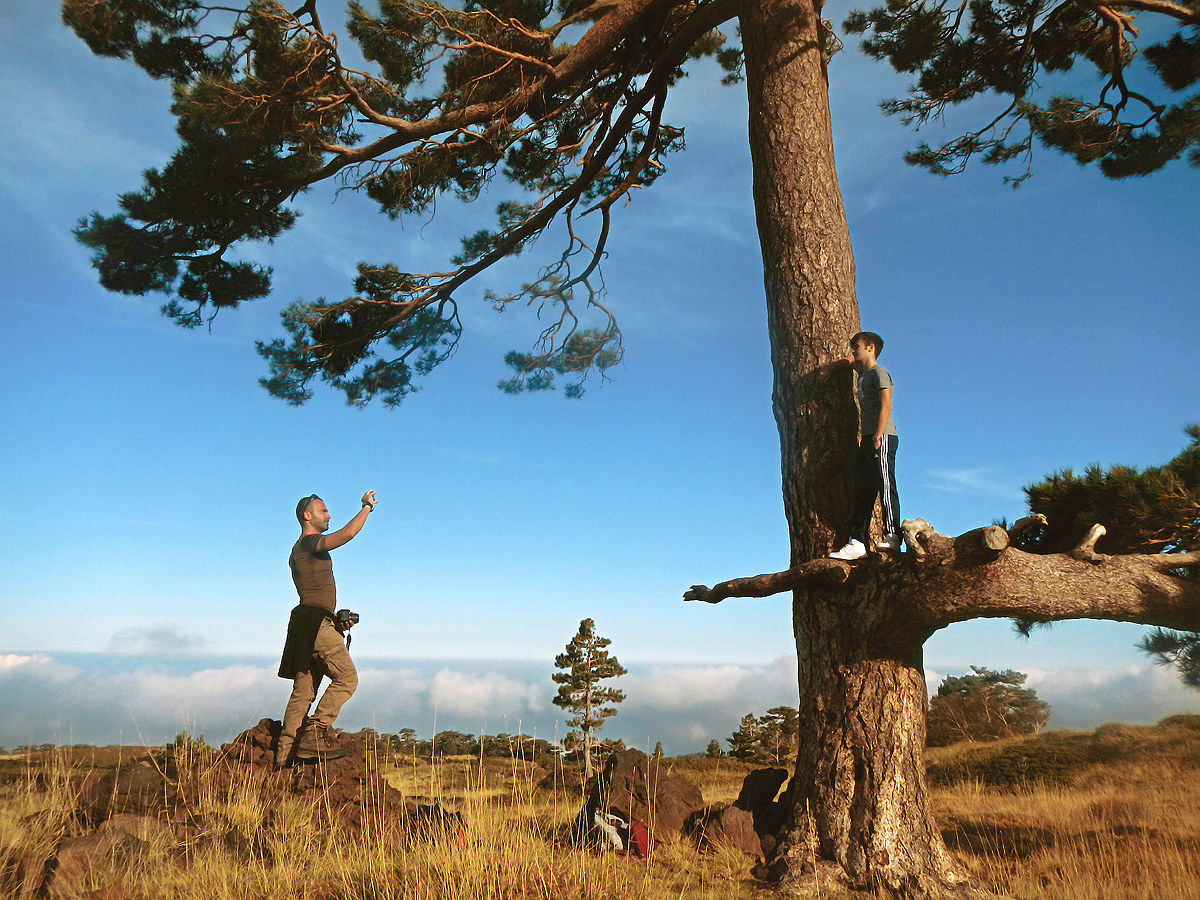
{"x":870,"y":383}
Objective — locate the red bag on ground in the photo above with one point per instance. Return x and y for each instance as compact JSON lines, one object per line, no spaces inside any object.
{"x":641,"y":842}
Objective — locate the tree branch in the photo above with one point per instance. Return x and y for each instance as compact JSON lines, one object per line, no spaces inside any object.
{"x":1174,"y":10}
{"x":942,"y":580}
{"x":812,"y":573}
{"x":1019,"y":526}
{"x":617,"y":23}
{"x":959,"y":581}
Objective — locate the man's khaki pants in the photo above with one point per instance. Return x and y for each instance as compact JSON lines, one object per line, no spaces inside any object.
{"x":330,"y":659}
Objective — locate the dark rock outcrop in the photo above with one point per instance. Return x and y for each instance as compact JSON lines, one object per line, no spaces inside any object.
{"x":760,"y":788}
{"x":640,"y":788}
{"x":352,"y":792}
{"x":757,"y":797}
{"x":726,"y":826}
{"x":76,"y":856}
{"x":139,"y":788}
{"x":22,"y":874}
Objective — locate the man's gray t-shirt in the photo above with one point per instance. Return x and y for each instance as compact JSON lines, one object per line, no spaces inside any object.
{"x":870,"y":383}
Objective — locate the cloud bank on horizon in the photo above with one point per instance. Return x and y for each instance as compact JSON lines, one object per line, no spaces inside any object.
{"x":135,"y":699}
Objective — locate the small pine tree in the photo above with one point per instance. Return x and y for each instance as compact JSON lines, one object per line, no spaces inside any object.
{"x":984,"y":706}
{"x":714,"y":750}
{"x":586,"y":663}
{"x":781,"y":729}
{"x":658,"y":750}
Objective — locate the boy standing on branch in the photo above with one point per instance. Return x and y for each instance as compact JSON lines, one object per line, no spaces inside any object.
{"x":314,"y":647}
{"x":875,"y":463}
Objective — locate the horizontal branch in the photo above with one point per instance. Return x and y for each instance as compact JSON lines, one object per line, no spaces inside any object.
{"x":812,"y":573}
{"x":1015,"y":530}
{"x":942,"y":580}
{"x":957,"y":582}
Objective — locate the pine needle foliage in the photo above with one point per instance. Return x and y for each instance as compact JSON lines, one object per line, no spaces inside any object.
{"x":1133,"y":111}
{"x":415,"y":101}
{"x":1151,"y":510}
{"x":561,"y":101}
{"x":769,"y":739}
{"x":587,"y":663}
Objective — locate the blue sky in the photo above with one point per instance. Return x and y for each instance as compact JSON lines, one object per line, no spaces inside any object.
{"x":149,"y":482}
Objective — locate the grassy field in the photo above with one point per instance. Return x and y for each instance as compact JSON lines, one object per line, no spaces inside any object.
{"x":1113,"y":813}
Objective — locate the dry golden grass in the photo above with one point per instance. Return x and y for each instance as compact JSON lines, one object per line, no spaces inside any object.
{"x":1121,"y":821}
{"x":512,"y":846}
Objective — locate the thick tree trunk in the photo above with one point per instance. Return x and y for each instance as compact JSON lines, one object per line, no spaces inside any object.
{"x":858,"y":797}
{"x":859,"y":806}
{"x":808,"y":265}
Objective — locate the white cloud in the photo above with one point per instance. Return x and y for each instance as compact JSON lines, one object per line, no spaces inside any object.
{"x":488,"y":695}
{"x":684,"y":687}
{"x":162,"y":637}
{"x":1084,"y":698}
{"x":99,"y":699}
{"x":12,"y":660}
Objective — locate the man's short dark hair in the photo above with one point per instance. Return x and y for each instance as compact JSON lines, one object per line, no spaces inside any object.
{"x":302,"y":506}
{"x":869,"y":337}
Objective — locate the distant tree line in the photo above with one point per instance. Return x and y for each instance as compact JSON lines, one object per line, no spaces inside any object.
{"x":982,"y":705}
{"x":405,"y":744}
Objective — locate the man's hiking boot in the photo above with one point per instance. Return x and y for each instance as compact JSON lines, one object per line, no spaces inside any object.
{"x":890,"y":542}
{"x":318,"y":742}
{"x":855,"y":549}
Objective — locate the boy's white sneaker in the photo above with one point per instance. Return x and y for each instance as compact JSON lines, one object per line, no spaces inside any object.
{"x":890,"y":542}
{"x":855,"y":549}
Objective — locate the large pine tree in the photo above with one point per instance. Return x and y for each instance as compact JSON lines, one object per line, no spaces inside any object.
{"x":567,"y":103}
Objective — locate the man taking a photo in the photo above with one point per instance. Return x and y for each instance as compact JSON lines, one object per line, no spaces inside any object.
{"x":314,"y":647}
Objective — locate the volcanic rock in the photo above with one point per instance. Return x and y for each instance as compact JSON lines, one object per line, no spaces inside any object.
{"x":726,"y":826}
{"x":140,"y":788}
{"x":76,"y":856}
{"x":640,"y":788}
{"x":757,"y":797}
{"x":351,"y":790}
{"x":144,"y":827}
{"x":759,"y":788}
{"x":22,"y":874}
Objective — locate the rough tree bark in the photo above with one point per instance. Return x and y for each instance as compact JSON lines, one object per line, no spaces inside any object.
{"x":859,"y":810}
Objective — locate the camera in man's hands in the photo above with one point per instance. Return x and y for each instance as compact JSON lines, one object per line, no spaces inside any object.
{"x":345,"y":618}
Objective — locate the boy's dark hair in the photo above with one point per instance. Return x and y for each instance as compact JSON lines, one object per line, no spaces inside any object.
{"x":302,"y":506}
{"x":869,"y":337}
